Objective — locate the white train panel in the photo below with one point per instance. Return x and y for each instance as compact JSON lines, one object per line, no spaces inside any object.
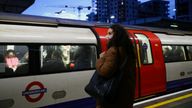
{"x":178,"y":70}
{"x":41,"y":34}
{"x":71,"y":84}
{"x":173,"y":39}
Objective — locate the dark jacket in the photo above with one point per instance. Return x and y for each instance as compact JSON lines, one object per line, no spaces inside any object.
{"x":108,"y":64}
{"x":53,"y":65}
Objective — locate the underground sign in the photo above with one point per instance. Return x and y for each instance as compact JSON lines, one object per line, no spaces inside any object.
{"x":39,"y":91}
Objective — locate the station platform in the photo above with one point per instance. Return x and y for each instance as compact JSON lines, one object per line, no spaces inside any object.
{"x":181,"y":99}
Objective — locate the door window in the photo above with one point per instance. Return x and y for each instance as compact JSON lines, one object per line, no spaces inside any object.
{"x":145,"y":49}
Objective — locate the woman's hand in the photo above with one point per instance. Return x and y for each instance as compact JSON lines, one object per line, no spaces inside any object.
{"x":102,"y":54}
{"x":98,"y":106}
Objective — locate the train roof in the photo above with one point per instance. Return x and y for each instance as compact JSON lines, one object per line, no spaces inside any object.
{"x":40,"y":20}
{"x":49,"y":21}
{"x":154,"y":29}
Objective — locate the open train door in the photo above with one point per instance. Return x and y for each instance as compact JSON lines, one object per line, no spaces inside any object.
{"x":151,"y":67}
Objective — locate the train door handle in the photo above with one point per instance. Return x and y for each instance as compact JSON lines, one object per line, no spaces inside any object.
{"x":6,"y":103}
{"x":59,"y":94}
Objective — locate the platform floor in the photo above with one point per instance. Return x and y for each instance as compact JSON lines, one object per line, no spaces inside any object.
{"x":181,"y":99}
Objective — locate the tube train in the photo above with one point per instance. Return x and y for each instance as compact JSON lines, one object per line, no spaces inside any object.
{"x":54,"y":59}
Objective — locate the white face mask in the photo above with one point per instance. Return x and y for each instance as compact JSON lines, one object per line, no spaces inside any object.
{"x":109,"y":36}
{"x":109,"y":33}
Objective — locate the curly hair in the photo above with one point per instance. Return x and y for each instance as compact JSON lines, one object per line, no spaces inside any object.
{"x":121,"y":38}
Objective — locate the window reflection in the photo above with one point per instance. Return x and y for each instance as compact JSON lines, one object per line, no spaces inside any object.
{"x":145,"y":49}
{"x":61,"y":58}
{"x":13,"y":59}
{"x":173,"y":53}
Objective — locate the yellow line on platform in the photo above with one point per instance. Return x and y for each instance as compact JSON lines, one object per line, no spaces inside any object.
{"x":170,"y":101}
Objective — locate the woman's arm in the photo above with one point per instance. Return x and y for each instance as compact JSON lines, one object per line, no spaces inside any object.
{"x":106,"y":64}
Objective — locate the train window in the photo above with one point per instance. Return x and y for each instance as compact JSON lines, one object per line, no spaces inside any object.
{"x":62,"y":58}
{"x":13,"y":59}
{"x":173,"y":53}
{"x":145,"y":49}
{"x":189,"y":49}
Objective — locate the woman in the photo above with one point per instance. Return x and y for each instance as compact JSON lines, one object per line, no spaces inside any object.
{"x":55,"y":63}
{"x":119,"y":48}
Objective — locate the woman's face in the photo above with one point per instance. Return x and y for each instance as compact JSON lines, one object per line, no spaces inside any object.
{"x":11,"y":54}
{"x":109,"y":33}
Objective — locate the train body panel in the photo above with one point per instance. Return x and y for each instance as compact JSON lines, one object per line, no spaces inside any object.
{"x":102,"y":32}
{"x":38,"y":86}
{"x":57,"y":88}
{"x":176,"y":49}
{"x":174,"y":39}
{"x":178,"y":74}
{"x":42,"y":34}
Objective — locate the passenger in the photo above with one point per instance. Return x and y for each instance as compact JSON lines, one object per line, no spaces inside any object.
{"x":2,"y":64}
{"x":82,"y":57}
{"x":179,"y":54}
{"x":25,"y":58}
{"x":48,"y":51}
{"x":1,"y":58}
{"x":55,"y":64}
{"x":190,"y":53}
{"x":144,"y":53}
{"x":9,"y":70}
{"x":119,"y":47}
{"x":11,"y":60}
{"x":167,"y":53}
{"x":172,"y":55}
{"x":25,"y":67}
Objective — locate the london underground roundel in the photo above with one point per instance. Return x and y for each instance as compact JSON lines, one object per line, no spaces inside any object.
{"x":34,"y":88}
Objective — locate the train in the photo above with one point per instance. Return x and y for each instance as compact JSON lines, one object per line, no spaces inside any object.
{"x":56,"y":59}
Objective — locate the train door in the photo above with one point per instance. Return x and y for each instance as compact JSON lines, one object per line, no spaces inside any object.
{"x":152,"y":76}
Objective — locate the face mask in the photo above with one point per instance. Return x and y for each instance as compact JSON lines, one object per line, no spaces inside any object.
{"x":109,"y":36}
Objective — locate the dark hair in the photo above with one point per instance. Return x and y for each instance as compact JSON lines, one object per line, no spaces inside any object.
{"x":57,"y":54}
{"x":121,"y":39}
{"x":10,"y":51}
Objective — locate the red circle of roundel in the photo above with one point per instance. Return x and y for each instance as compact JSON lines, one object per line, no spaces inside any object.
{"x":37,"y":83}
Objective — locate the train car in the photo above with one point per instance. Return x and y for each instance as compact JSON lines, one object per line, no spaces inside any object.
{"x":56,"y":60}
{"x":53,"y":60}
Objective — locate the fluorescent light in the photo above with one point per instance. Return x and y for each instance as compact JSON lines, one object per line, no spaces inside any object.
{"x":174,"y":25}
